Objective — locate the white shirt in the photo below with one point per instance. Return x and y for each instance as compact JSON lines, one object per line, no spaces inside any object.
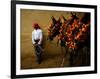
{"x":37,"y":34}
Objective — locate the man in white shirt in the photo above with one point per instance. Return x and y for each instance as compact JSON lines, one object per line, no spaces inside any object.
{"x":37,"y":37}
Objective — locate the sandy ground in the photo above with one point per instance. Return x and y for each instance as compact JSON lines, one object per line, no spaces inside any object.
{"x":52,"y":55}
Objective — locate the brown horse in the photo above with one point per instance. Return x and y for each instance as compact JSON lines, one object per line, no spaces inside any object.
{"x":54,"y":28}
{"x":72,"y":33}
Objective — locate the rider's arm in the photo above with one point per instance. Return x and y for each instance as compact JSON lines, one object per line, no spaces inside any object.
{"x":33,"y":38}
{"x":41,"y":37}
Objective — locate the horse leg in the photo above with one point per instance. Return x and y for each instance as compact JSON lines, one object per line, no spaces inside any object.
{"x":71,"y":59}
{"x":64,"y":56}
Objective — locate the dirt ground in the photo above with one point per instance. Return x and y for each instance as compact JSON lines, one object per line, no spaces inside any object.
{"x":53,"y":54}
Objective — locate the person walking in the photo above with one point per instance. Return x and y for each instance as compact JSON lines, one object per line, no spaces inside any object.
{"x":37,"y":37}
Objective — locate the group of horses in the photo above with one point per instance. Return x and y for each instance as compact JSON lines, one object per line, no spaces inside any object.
{"x":72,"y":33}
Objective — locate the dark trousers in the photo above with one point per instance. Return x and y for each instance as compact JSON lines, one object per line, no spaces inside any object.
{"x":38,"y":51}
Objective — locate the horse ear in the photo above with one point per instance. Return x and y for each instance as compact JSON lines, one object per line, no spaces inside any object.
{"x":59,"y":20}
{"x":52,"y":16}
{"x":53,"y":19}
{"x":71,"y":13}
{"x":75,"y":14}
{"x":63,"y":18}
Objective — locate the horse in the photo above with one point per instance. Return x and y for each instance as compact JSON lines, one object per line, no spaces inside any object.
{"x":72,"y":34}
{"x":58,"y":29}
{"x":54,"y":28}
{"x":78,"y":37}
{"x":81,"y":36}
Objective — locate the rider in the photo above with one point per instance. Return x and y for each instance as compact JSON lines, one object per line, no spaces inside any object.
{"x":37,"y":37}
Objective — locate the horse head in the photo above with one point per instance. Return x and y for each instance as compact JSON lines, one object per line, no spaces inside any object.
{"x":55,"y":27}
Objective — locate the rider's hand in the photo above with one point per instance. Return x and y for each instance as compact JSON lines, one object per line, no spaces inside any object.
{"x":34,"y":45}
